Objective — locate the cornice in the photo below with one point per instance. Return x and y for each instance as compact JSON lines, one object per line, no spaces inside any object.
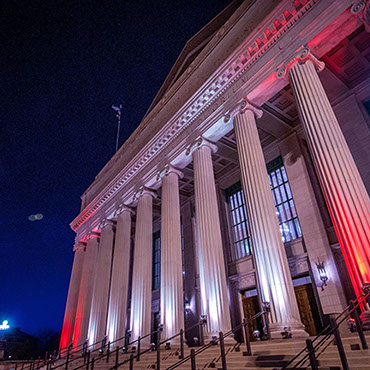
{"x":282,"y":19}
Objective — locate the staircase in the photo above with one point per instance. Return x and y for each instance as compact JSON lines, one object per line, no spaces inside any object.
{"x":266,"y":355}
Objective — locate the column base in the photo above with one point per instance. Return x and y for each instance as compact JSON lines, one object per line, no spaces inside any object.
{"x":365,"y":318}
{"x":287,"y":331}
{"x":175,"y":343}
{"x":208,"y":338}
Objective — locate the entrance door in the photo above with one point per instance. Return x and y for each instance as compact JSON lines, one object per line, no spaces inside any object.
{"x":251,"y":308}
{"x":307,"y":308}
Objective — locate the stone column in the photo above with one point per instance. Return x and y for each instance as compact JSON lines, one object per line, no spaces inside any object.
{"x":315,"y":237}
{"x":343,"y":188}
{"x":172,"y":292}
{"x":72,"y":297}
{"x":117,"y":310}
{"x":141,"y":297}
{"x":99,"y":305}
{"x":86,"y":290}
{"x":214,"y":297}
{"x":272,"y":269}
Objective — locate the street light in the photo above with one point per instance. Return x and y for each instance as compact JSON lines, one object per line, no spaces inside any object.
{"x":4,"y":325}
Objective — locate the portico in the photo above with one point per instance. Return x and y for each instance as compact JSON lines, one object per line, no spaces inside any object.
{"x":243,"y":166}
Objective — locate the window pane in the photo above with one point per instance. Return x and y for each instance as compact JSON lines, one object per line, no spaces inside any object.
{"x":285,"y":209}
{"x":238,"y":219}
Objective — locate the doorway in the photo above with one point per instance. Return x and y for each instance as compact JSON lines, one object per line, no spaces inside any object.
{"x":308,"y":310}
{"x":250,"y":308}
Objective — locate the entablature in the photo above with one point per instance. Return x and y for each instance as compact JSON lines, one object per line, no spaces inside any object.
{"x":250,"y":71}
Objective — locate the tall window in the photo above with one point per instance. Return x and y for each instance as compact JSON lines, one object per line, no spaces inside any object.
{"x":156,"y":260}
{"x":284,"y":204}
{"x":239,"y":223}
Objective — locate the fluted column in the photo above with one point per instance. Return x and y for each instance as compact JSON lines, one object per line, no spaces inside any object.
{"x":345,"y":193}
{"x":72,"y":297}
{"x":172,"y":293}
{"x":99,"y":305}
{"x":117,"y":309}
{"x":141,"y":297}
{"x":214,"y":297}
{"x":273,"y":274}
{"x":82,"y":319}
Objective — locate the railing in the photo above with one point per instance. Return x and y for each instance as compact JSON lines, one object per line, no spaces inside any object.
{"x":154,"y":347}
{"x":220,"y":339}
{"x":105,"y":350}
{"x":315,"y":347}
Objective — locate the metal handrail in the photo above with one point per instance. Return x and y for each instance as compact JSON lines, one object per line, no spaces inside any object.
{"x":220,"y":339}
{"x":138,"y":355}
{"x":351,"y":308}
{"x":102,"y":347}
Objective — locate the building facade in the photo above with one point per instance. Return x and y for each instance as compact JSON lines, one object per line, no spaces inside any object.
{"x":244,"y":187}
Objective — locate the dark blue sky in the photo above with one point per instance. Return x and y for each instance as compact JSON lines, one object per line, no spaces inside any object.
{"x":63,"y":64}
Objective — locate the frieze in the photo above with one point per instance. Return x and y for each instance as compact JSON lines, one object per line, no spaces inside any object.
{"x":255,"y":46}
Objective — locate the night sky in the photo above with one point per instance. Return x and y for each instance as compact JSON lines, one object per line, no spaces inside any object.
{"x":63,"y":64}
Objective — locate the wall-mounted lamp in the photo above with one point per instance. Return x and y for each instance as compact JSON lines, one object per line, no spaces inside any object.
{"x":187,"y":307}
{"x":203,"y":319}
{"x":322,"y":273}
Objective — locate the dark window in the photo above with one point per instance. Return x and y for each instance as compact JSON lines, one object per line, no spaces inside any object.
{"x":156,"y":260}
{"x":239,"y":222}
{"x":284,"y":204}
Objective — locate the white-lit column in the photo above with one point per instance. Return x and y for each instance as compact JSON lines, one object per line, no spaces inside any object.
{"x":141,"y":297}
{"x":172,"y":292}
{"x":81,"y":326}
{"x":72,"y":297}
{"x":273,"y":274}
{"x":214,"y":297}
{"x":99,"y":304}
{"x":117,"y":310}
{"x":343,"y":188}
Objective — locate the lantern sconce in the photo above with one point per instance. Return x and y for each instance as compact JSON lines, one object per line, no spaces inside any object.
{"x":322,"y":273}
{"x":187,"y":307}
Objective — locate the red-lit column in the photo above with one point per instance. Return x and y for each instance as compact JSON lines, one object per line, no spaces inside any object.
{"x":343,"y":188}
{"x":102,"y":274}
{"x":72,"y":298}
{"x":117,"y":309}
{"x":86,"y":289}
{"x":141,"y":297}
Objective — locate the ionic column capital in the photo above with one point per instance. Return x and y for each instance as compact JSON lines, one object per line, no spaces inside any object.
{"x":123,"y":208}
{"x":300,"y":57}
{"x":200,"y":142}
{"x":167,"y":170}
{"x":142,"y":191}
{"x":106,"y":222}
{"x":244,"y":106}
{"x":92,"y":235}
{"x":362,"y":10}
{"x":79,"y":245}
